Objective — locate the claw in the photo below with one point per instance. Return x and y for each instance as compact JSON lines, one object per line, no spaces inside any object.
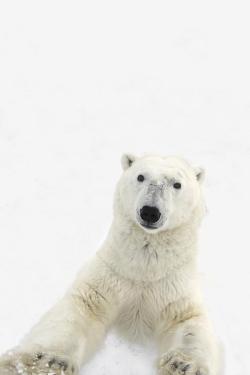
{"x":38,"y":356}
{"x":185,"y":368}
{"x":51,"y":362}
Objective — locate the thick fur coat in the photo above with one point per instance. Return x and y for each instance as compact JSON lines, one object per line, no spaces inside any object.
{"x":143,"y":280}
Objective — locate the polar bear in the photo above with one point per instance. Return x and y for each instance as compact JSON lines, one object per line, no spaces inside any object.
{"x":143,"y":280}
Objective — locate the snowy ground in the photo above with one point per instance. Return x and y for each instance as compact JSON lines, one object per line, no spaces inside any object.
{"x":83,"y":81}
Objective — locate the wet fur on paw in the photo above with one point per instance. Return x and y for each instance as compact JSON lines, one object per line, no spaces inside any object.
{"x":179,"y":363}
{"x":15,"y":363}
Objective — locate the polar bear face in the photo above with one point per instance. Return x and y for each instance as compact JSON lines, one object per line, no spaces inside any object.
{"x":159,"y":193}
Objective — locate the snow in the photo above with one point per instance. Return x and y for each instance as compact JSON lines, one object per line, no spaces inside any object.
{"x":80,"y":83}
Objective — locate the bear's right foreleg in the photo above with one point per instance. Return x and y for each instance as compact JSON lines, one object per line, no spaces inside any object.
{"x":65,"y":337}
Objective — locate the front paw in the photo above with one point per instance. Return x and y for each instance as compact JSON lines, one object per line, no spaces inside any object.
{"x":177,"y":362}
{"x":18,"y":363}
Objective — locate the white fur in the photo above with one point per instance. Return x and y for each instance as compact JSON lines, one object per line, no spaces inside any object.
{"x":142,"y":281}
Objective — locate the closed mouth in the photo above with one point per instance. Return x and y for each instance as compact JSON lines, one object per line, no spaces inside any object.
{"x":148,"y":226}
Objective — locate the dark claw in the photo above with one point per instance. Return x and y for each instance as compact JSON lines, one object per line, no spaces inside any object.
{"x":185,"y":368}
{"x":174,"y":365}
{"x":39,"y":356}
{"x":72,"y":369}
{"x":51,"y":362}
{"x":63,"y":364}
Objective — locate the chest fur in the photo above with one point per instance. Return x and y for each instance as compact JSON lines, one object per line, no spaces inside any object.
{"x":142,"y":304}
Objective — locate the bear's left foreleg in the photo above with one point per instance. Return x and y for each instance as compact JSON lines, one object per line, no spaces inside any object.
{"x":188,"y":347}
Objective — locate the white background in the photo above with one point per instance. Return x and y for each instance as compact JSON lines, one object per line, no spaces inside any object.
{"x":80,"y":83}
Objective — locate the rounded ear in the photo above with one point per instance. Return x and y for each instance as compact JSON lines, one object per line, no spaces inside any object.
{"x":127,"y":160}
{"x":200,"y":174}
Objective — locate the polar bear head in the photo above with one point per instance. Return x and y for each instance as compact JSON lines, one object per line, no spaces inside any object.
{"x":159,"y":193}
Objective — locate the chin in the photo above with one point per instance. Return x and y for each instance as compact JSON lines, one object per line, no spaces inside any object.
{"x":151,"y":229}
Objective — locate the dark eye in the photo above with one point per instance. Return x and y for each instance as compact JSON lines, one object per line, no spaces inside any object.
{"x":177,"y":185}
{"x":140,"y":178}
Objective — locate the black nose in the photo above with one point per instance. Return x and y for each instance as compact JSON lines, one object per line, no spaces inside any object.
{"x":150,"y":214}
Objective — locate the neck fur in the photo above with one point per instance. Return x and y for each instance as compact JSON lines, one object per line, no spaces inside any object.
{"x":140,"y":256}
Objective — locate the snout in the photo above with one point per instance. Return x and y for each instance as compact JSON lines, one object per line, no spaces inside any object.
{"x":150,"y":215}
